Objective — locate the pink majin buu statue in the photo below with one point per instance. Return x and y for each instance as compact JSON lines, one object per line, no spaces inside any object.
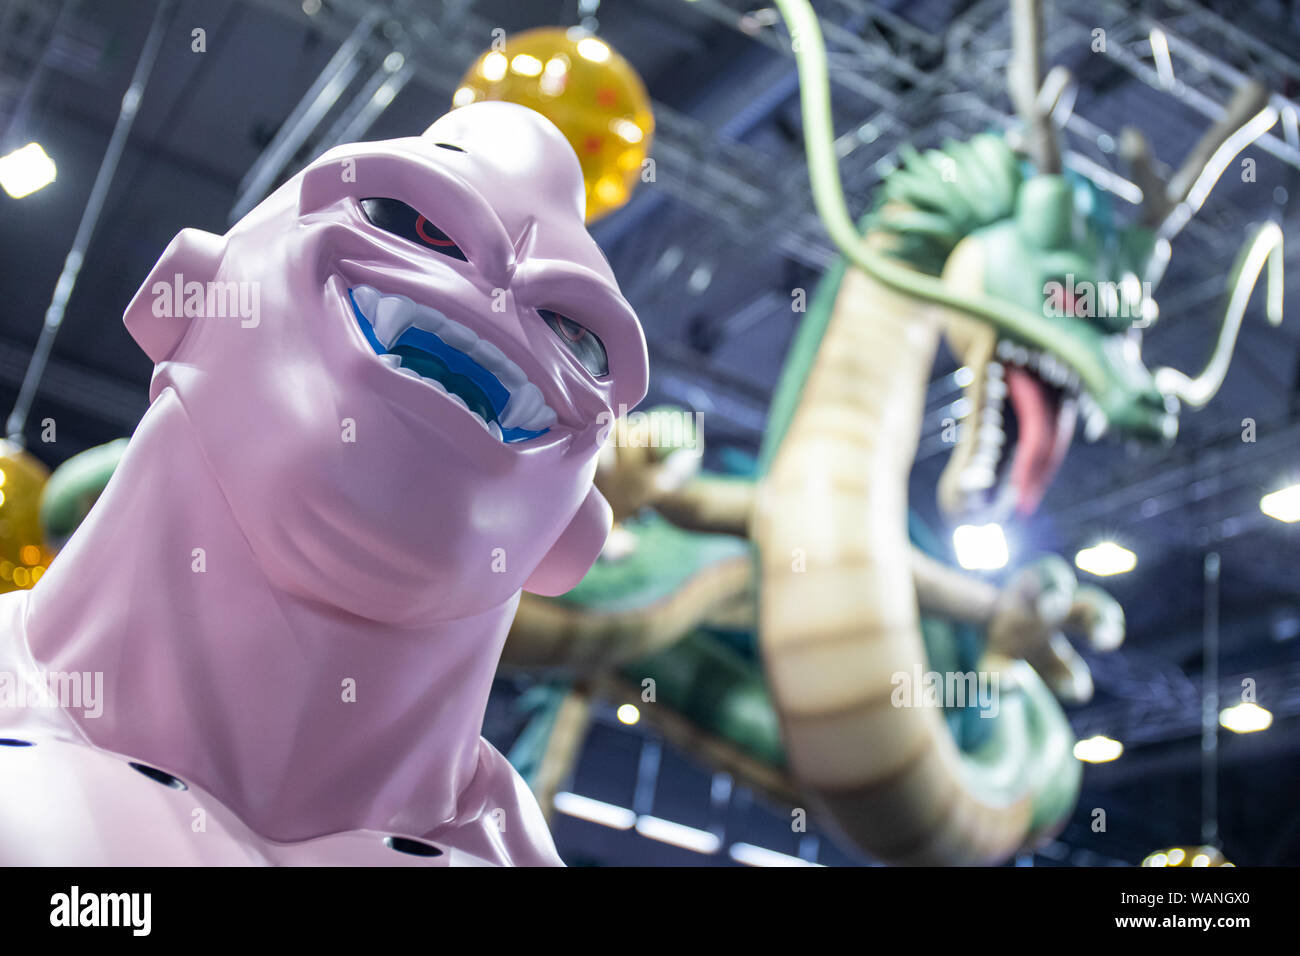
{"x":272,"y":640}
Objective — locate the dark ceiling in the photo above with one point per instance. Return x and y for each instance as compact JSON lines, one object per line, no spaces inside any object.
{"x":708,"y":255}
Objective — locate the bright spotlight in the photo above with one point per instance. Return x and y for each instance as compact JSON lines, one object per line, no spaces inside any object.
{"x":1245,"y":718}
{"x":628,"y":714}
{"x":589,"y":48}
{"x":26,"y":170}
{"x":1283,"y":505}
{"x":1105,"y":559}
{"x":980,"y":547}
{"x":1098,"y":749}
{"x":494,"y":67}
{"x":525,"y":64}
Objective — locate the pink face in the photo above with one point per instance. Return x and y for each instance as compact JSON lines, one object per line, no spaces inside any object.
{"x":409,"y":425}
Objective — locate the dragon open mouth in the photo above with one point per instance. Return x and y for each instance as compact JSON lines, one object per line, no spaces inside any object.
{"x":424,"y":344}
{"x":1023,"y":429}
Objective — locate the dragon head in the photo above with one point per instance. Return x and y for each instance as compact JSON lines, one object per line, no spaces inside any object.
{"x":1025,"y":395}
{"x":1045,"y":303}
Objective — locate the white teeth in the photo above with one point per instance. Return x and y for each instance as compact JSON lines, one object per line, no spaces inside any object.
{"x":366,"y":299}
{"x":543,"y":419}
{"x":457,"y":336}
{"x":392,"y":317}
{"x":991,"y":434}
{"x":525,"y":404}
{"x":495,"y":361}
{"x":1050,"y":369}
{"x":996,"y":390}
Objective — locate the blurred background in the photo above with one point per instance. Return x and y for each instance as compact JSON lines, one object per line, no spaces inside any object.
{"x":708,"y":252}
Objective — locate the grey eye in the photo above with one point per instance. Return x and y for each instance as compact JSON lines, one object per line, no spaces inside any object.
{"x":585,"y":345}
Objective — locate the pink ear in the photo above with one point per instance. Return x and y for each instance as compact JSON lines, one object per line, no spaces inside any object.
{"x":576,"y":550}
{"x":194,"y":256}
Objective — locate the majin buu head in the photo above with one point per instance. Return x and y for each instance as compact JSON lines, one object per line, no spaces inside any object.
{"x":410,"y":427}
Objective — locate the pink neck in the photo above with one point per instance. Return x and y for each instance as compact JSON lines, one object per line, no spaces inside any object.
{"x":225,"y":681}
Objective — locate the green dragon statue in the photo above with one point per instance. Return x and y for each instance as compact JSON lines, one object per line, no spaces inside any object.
{"x":1043,"y":300}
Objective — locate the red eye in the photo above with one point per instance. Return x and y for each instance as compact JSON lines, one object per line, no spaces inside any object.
{"x":395,"y":216}
{"x":431,"y":233}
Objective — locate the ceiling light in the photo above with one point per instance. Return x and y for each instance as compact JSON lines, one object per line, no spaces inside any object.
{"x":752,"y":855}
{"x":1283,"y":505}
{"x":1106,"y":558}
{"x":677,"y":834}
{"x":594,"y":811}
{"x":1098,"y":749}
{"x":1245,"y":718}
{"x":26,"y":170}
{"x":980,"y":547}
{"x":628,"y":714}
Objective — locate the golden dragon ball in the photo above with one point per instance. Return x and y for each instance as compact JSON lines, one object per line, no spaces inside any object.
{"x":585,"y":88}
{"x":23,"y":556}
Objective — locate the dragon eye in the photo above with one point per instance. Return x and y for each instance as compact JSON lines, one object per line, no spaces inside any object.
{"x":585,"y":345}
{"x":395,"y":216}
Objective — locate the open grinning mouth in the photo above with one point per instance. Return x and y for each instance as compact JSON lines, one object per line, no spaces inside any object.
{"x":421,"y":343}
{"x":1031,"y":402}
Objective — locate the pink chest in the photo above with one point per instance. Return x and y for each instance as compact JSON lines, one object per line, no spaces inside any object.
{"x":68,"y":804}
